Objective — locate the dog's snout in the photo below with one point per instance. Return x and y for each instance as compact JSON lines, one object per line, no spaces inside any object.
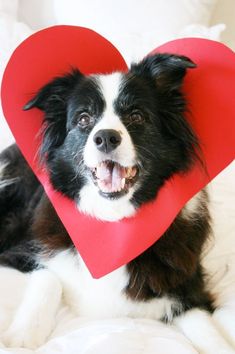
{"x":107,"y":140}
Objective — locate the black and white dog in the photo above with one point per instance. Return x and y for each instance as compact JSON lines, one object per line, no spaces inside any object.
{"x":109,"y":143}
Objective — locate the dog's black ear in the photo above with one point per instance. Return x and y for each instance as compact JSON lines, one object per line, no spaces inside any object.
{"x":55,"y":92}
{"x":167,"y":70}
{"x":52,"y":99}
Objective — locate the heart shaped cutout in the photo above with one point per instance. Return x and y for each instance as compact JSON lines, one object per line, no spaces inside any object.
{"x":105,"y":246}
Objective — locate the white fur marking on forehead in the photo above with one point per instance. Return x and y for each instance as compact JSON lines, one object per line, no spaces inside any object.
{"x":125,"y":153}
{"x":110,"y":87}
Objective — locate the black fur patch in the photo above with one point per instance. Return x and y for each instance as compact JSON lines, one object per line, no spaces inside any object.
{"x":165,"y":142}
{"x":17,"y":205}
{"x":172,"y":265}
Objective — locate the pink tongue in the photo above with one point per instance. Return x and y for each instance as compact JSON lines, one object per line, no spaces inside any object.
{"x":109,"y":177}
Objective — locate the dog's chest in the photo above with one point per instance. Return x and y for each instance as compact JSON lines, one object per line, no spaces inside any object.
{"x":105,"y":297}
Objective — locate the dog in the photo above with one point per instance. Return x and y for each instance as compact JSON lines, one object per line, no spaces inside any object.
{"x":109,"y":143}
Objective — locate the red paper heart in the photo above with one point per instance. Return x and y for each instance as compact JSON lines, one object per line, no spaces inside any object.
{"x":210,"y":89}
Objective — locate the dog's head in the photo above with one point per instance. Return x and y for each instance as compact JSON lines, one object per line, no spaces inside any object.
{"x":111,"y":141}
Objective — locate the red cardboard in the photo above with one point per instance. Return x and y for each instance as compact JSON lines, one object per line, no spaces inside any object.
{"x":210,"y":90}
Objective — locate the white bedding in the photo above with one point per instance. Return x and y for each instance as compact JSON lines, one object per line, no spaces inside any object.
{"x":125,"y":335}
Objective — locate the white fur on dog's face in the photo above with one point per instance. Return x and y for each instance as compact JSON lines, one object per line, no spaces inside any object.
{"x":90,"y":201}
{"x":125,"y":153}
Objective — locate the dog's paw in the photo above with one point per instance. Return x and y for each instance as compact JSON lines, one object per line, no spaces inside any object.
{"x":31,"y":335}
{"x":35,"y":318}
{"x":225,"y":322}
{"x":202,"y":330}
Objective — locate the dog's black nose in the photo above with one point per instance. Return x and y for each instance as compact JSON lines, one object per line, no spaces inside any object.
{"x":107,"y":140}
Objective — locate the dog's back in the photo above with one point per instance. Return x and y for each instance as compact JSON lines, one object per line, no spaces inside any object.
{"x":20,"y":192}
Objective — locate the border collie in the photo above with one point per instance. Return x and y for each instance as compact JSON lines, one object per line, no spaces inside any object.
{"x":109,"y":144}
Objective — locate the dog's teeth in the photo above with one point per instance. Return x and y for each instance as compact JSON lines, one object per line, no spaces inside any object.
{"x":123,"y":182}
{"x":128,"y":172}
{"x":133,"y":172}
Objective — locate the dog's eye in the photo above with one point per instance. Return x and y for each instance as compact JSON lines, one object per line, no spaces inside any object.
{"x":84,"y":120}
{"x":136,"y":117}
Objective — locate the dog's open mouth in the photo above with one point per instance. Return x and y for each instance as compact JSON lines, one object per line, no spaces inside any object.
{"x":112,"y":179}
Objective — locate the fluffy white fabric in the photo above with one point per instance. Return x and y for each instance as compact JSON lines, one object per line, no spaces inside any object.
{"x":133,"y":26}
{"x":134,"y":35}
{"x":225,"y":12}
{"x":12,"y":33}
{"x":9,"y":7}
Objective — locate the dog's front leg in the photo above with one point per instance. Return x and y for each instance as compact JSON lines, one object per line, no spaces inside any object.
{"x":34,"y":319}
{"x":200,"y":329}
